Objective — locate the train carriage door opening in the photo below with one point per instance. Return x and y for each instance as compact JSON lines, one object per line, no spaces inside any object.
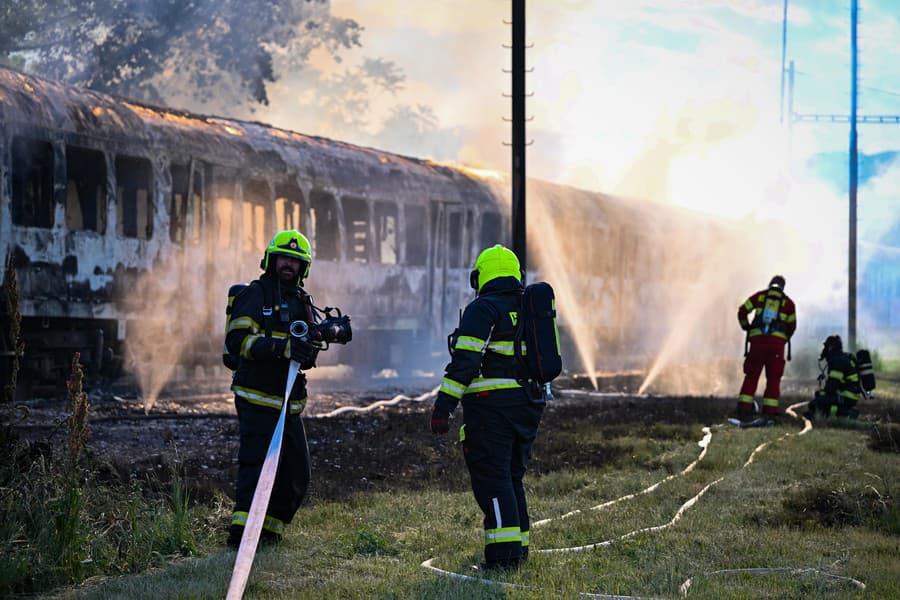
{"x":450,"y":274}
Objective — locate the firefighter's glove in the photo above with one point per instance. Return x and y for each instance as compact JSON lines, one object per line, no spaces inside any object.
{"x":303,"y":352}
{"x":440,"y":421}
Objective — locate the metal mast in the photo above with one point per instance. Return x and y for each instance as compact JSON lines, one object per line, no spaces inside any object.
{"x":518,"y":131}
{"x":851,"y":238}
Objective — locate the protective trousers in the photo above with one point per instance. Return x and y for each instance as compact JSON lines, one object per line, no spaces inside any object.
{"x":497,"y":445}
{"x":257,"y":424}
{"x":765,"y":353}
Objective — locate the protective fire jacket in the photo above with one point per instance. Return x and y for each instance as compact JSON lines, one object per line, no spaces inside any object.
{"x":843,"y":376}
{"x":483,"y":367}
{"x":782,"y":327}
{"x":263,"y":367}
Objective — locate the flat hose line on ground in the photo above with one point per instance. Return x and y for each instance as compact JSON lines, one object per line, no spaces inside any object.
{"x":690,"y":502}
{"x":703,"y":443}
{"x":362,"y":409}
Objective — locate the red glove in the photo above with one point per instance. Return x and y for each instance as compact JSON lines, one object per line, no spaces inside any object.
{"x":440,"y":421}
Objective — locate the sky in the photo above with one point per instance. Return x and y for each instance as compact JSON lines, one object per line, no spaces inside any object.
{"x":666,"y":100}
{"x":672,"y":101}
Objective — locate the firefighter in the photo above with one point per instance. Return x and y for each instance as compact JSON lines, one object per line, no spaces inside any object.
{"x":840,"y":389}
{"x":774,"y":322}
{"x":258,"y":333}
{"x":501,"y":413}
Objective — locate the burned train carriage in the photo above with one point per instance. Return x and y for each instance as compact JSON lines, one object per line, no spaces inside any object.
{"x":126,"y":224}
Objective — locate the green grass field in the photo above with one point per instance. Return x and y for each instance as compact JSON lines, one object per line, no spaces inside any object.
{"x":819,"y":508}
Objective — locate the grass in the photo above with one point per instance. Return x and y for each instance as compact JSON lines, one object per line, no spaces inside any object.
{"x":827,"y":500}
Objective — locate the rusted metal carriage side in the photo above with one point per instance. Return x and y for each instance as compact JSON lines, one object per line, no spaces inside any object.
{"x":98,"y":192}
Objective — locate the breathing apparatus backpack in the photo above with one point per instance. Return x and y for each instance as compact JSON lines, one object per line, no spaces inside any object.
{"x":537,"y":328}
{"x":768,"y":316}
{"x":228,"y":359}
{"x":865,"y":370}
{"x":231,"y":360}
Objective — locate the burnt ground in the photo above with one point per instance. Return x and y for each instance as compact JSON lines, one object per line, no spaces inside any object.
{"x":388,"y":448}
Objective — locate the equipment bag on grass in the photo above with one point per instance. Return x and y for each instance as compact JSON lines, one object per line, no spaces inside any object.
{"x":537,"y":328}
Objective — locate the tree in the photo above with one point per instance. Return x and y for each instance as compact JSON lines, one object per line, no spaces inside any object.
{"x":144,"y":50}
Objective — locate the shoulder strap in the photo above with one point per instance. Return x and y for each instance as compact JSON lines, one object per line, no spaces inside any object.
{"x":268,"y":305}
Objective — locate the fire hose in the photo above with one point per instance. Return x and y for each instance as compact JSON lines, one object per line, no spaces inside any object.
{"x":257,"y":514}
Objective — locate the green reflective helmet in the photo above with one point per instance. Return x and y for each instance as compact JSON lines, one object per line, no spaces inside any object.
{"x":289,"y":243}
{"x":496,"y":261}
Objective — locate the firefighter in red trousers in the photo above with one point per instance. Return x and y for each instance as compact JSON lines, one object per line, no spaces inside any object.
{"x":774,"y":322}
{"x":500,"y":414}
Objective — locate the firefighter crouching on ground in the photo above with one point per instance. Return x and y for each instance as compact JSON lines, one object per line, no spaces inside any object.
{"x":841,"y":390}
{"x":258,"y":333}
{"x":774,"y":322}
{"x":500,"y":421}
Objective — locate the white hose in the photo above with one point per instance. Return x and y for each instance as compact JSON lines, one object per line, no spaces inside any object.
{"x":686,"y":585}
{"x":362,"y":409}
{"x":703,"y":443}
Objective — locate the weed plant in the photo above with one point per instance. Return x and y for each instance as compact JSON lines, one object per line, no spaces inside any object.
{"x":62,"y":525}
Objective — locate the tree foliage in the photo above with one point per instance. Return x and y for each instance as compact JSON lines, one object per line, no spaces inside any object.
{"x":144,"y":49}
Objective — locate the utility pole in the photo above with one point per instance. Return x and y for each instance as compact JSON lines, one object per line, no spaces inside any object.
{"x":518,"y":132}
{"x":851,"y":237}
{"x":783,"y":53}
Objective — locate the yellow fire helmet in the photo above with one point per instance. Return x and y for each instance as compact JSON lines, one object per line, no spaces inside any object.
{"x":289,"y":243}
{"x":496,"y":261}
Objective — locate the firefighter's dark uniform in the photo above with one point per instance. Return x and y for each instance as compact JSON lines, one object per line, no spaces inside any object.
{"x":500,"y":421}
{"x":766,"y":347}
{"x":258,"y":387}
{"x":841,"y":391}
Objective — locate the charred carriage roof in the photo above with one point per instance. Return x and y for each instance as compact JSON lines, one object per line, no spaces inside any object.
{"x":27,"y":102}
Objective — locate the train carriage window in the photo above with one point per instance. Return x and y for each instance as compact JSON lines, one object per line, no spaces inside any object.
{"x":289,"y":208}
{"x":134,"y":178}
{"x":223,"y":193}
{"x":454,"y":240}
{"x":256,"y":199}
{"x":490,"y":230}
{"x":323,"y":226}
{"x":386,"y":232}
{"x":85,"y":189}
{"x":178,"y":203}
{"x":416,"y":235}
{"x":356,"y":224}
{"x":32,"y":183}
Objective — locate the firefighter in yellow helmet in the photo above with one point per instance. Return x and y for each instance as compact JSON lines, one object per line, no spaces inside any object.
{"x":258,"y":333}
{"x":500,"y":419}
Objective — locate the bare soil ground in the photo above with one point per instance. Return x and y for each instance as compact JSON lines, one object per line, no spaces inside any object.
{"x":388,"y":448}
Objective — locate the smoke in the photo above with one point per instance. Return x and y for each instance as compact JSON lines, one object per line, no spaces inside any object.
{"x":159,"y":338}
